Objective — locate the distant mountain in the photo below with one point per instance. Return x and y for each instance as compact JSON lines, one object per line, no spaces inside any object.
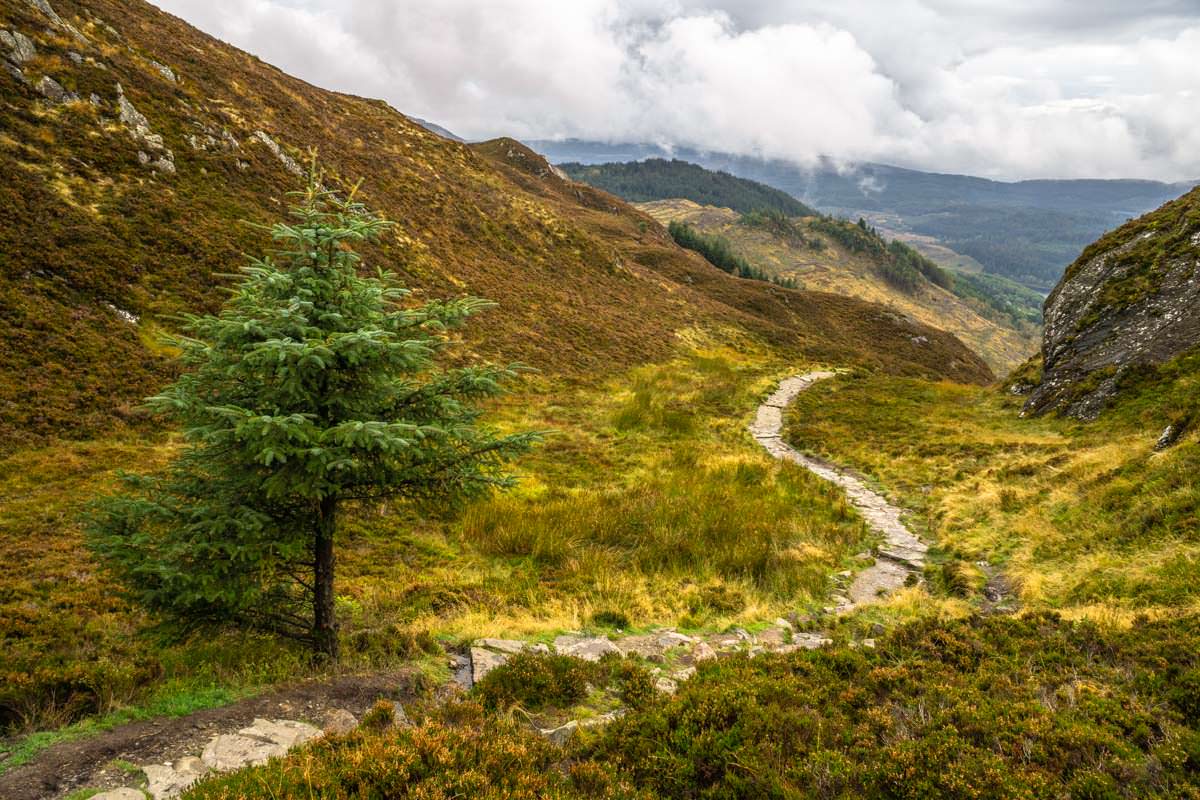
{"x":1025,"y":230}
{"x":659,"y":179}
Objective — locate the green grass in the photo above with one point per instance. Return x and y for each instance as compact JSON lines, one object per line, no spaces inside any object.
{"x":167,"y":701}
{"x":1086,"y":518}
{"x":649,"y":500}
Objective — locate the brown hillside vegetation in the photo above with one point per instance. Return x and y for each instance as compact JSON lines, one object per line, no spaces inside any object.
{"x":835,"y":269}
{"x":98,"y":249}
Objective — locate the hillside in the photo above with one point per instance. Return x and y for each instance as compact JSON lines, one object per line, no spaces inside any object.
{"x":659,"y":179}
{"x":128,"y":186}
{"x":1125,"y":306}
{"x":1025,"y":230}
{"x":819,"y":261}
{"x":136,"y":150}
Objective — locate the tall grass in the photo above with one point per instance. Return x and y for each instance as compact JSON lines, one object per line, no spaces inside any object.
{"x":1087,"y":519}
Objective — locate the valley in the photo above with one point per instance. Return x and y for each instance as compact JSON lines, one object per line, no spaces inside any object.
{"x":805,"y":502}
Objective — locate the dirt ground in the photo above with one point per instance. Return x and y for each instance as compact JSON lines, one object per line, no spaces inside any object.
{"x":88,"y":762}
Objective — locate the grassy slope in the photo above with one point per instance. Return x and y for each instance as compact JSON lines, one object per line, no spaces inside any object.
{"x":589,"y":287}
{"x":1085,"y":518}
{"x":585,"y":283}
{"x":834,"y":269}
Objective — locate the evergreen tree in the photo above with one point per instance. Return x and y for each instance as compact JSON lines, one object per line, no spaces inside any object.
{"x":313,"y":389}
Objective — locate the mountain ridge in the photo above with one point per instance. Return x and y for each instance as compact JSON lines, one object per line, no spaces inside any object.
{"x":1025,"y":230}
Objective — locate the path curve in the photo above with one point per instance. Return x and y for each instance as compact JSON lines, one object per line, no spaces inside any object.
{"x":902,"y":554}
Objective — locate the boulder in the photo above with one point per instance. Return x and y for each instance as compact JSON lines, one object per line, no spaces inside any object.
{"x":20,"y":47}
{"x":284,"y":732}
{"x":339,"y":721}
{"x":123,"y":793}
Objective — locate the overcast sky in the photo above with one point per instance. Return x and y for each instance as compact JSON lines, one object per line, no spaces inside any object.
{"x":1002,"y":88}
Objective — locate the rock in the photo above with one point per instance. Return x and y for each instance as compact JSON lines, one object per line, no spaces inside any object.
{"x":562,"y":734}
{"x":773,"y":637}
{"x":808,"y":641}
{"x":44,"y":7}
{"x":1132,"y":300}
{"x":703,"y":652}
{"x":164,"y":782}
{"x":589,"y":648}
{"x":501,"y":645}
{"x":53,"y":91}
{"x":1169,"y":436}
{"x":129,"y":115}
{"x":339,"y":721}
{"x":229,"y":751}
{"x":683,"y":673}
{"x":120,"y":794}
{"x":285,"y":732}
{"x":20,"y":47}
{"x":783,"y":623}
{"x":163,"y":70}
{"x":76,"y":59}
{"x":666,"y":685}
{"x":484,"y":661}
{"x":288,"y":162}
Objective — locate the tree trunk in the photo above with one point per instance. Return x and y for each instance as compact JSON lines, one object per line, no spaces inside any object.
{"x":325,"y":633}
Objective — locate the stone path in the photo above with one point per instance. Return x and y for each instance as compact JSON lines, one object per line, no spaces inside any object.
{"x":673,"y":656}
{"x":902,"y":554}
{"x":254,"y":744}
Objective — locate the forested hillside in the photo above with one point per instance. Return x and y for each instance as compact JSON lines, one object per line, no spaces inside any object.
{"x":843,"y":257}
{"x":1027,"y":231}
{"x":659,"y":179}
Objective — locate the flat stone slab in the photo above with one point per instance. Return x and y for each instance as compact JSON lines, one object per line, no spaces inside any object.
{"x":229,"y":751}
{"x":283,"y":732}
{"x":123,"y":793}
{"x":165,"y":781}
{"x":589,"y":648}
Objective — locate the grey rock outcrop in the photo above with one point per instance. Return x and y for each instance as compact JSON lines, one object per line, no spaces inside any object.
{"x":288,"y":162}
{"x":1131,"y":300}
{"x":160,"y":157}
{"x":53,"y":91}
{"x":20,"y":47}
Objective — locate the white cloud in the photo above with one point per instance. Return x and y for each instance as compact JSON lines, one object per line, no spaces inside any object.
{"x":1012,"y":88}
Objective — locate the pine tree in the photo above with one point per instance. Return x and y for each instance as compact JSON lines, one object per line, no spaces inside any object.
{"x":314,"y":389}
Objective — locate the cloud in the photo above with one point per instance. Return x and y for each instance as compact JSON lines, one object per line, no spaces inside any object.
{"x":1020,"y":88}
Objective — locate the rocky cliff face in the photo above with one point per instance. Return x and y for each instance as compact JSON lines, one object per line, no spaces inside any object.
{"x":1131,"y":299}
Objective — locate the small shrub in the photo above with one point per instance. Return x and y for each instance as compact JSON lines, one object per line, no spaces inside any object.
{"x":535,"y":682}
{"x":380,"y":716}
